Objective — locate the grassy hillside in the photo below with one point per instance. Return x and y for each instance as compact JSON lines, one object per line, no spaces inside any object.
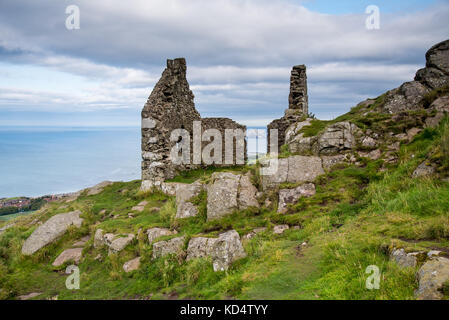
{"x":357,"y":214}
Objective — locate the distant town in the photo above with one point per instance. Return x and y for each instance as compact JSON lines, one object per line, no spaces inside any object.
{"x":22,"y":204}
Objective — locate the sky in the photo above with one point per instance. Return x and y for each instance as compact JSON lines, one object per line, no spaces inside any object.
{"x":239,"y":55}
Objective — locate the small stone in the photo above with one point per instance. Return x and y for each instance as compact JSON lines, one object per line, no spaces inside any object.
{"x":68,"y":255}
{"x":132,"y":265}
{"x":291,"y":196}
{"x":423,"y":170}
{"x":98,"y":239}
{"x":433,"y":253}
{"x":403,"y":259}
{"x":280,"y":229}
{"x":29,"y":296}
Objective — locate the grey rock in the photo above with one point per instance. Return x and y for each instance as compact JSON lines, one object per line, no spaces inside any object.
{"x":338,"y":138}
{"x":98,"y":238}
{"x":184,"y":193}
{"x":403,"y":259}
{"x":294,"y":169}
{"x":373,"y":155}
{"x":200,"y":247}
{"x":369,"y":142}
{"x":253,"y":233}
{"x":172,"y":246}
{"x":431,"y":277}
{"x":140,"y":207}
{"x":247,"y":193}
{"x":407,"y":97}
{"x":68,"y":255}
{"x":330,"y":161}
{"x":227,"y":249}
{"x":132,"y":265}
{"x":438,"y":57}
{"x":222,"y":194}
{"x":52,"y":229}
{"x":280,"y":229}
{"x":423,"y":170}
{"x":119,"y":243}
{"x":29,"y":296}
{"x":155,"y":233}
{"x":291,"y":196}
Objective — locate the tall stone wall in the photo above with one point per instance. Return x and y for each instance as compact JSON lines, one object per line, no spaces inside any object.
{"x":298,"y":105}
{"x":171,"y":106}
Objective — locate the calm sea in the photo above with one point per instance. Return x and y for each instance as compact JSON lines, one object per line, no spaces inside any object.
{"x":36,"y":161}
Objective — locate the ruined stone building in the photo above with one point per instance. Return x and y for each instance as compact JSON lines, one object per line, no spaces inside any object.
{"x":171,"y":106}
{"x":298,"y":105}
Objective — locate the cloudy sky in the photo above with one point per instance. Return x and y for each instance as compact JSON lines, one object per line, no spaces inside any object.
{"x":239,"y":55}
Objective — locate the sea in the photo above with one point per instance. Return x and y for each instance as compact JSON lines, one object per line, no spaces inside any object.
{"x":37,"y":161}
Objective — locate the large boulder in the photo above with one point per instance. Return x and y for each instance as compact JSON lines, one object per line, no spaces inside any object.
{"x":294,"y":169}
{"x":184,"y":193}
{"x":68,"y":255}
{"x":431,"y":277}
{"x":228,"y":192}
{"x":52,"y":229}
{"x":438,"y":57}
{"x":172,"y":246}
{"x":291,"y":196}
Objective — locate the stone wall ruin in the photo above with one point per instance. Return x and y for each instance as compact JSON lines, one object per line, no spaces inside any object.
{"x":171,"y":106}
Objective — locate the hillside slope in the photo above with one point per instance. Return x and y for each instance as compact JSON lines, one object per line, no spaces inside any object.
{"x":381,"y":197}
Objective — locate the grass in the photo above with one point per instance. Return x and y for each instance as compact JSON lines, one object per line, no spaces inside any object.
{"x":357,"y":214}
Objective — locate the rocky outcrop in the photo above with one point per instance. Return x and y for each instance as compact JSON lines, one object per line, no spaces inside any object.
{"x":409,"y":96}
{"x":184,"y":193}
{"x":52,"y":229}
{"x":98,"y":188}
{"x":291,"y":196}
{"x":431,"y":277}
{"x":68,"y":255}
{"x":163,"y":248}
{"x":132,"y":265}
{"x":337,"y":138}
{"x":155,"y":233}
{"x":228,"y":192}
{"x":294,"y":169}
{"x":436,"y":72}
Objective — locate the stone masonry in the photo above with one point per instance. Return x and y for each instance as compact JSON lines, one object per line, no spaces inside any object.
{"x":171,"y":106}
{"x":298,"y":105}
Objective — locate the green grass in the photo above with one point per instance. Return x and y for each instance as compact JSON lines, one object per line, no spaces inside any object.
{"x":357,"y":214}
